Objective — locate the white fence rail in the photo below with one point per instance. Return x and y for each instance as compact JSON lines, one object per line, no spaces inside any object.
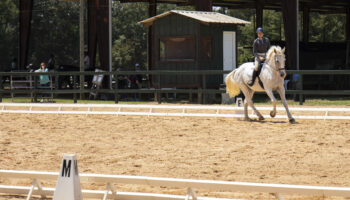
{"x":184,"y":110}
{"x":191,"y":184}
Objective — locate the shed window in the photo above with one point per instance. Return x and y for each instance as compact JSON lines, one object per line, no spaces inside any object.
{"x":177,"y":49}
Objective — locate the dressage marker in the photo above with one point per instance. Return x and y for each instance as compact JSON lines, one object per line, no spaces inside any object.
{"x":68,"y":183}
{"x":183,"y":110}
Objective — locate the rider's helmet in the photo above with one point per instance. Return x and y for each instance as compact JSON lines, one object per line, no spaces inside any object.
{"x":259,"y":30}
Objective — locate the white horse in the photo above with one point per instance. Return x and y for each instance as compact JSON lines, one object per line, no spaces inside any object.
{"x":272,"y":76}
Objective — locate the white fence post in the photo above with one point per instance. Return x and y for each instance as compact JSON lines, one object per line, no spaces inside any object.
{"x":36,"y":182}
{"x":111,"y":189}
{"x":191,"y":193}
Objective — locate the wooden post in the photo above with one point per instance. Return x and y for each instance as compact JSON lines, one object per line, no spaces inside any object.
{"x":203,"y":5}
{"x":159,"y":94}
{"x":1,"y":88}
{"x":348,"y":24}
{"x":92,"y":32}
{"x":259,"y":14}
{"x":347,"y":37}
{"x":290,"y":9}
{"x":35,"y":88}
{"x":116,"y":85}
{"x":204,"y":87}
{"x":306,"y":23}
{"x":82,"y":44}
{"x":25,"y":17}
{"x":347,"y":54}
{"x":152,"y":11}
{"x":74,"y":88}
{"x":290,"y":19}
{"x":200,"y":95}
{"x":103,"y":36}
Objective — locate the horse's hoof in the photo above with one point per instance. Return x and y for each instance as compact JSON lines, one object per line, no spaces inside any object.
{"x":247,"y":119}
{"x":261,"y":118}
{"x":292,"y":120}
{"x":273,"y":114}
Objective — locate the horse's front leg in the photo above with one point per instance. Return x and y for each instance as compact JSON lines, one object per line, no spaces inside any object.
{"x":246,"y":117}
{"x":273,"y":100}
{"x":282,"y":94}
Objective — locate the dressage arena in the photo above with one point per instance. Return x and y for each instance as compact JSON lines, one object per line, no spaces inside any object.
{"x":310,"y":152}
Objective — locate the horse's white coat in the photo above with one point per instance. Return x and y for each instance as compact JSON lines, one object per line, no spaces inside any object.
{"x":272,"y":76}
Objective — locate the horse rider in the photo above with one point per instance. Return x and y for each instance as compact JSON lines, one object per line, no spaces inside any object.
{"x":260,"y":47}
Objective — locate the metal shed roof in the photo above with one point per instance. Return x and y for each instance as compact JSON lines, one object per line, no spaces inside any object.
{"x":203,"y":17}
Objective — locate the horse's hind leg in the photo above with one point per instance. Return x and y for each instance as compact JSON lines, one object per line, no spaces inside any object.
{"x":245,"y":92}
{"x":248,"y":93}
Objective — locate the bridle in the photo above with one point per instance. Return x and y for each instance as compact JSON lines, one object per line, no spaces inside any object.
{"x":279,"y":69}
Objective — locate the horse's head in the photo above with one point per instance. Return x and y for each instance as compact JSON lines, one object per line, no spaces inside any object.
{"x":277,"y":60}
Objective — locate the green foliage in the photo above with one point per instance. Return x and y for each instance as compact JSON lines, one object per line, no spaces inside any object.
{"x":129,"y":37}
{"x":327,"y":28}
{"x":55,"y":30}
{"x":273,"y":25}
{"x":8,"y":32}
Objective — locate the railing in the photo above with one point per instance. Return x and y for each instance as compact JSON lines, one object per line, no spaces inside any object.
{"x":163,"y":110}
{"x":157,"y":90}
{"x":109,"y":180}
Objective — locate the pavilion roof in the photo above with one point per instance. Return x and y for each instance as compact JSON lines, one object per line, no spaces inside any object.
{"x":328,"y":6}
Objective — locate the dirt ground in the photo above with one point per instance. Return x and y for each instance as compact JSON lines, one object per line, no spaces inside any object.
{"x":310,"y":152}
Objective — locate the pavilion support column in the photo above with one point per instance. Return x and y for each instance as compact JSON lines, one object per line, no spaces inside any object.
{"x":152,"y":11}
{"x":102,"y":23}
{"x":25,"y":17}
{"x":203,"y":5}
{"x":348,"y":24}
{"x":290,"y":9}
{"x":290,"y":19}
{"x":92,"y":32}
{"x":306,"y":23}
{"x":82,"y":45}
{"x":259,"y":14}
{"x":348,"y":37}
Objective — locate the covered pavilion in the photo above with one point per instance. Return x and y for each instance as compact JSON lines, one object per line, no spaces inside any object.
{"x":98,"y":22}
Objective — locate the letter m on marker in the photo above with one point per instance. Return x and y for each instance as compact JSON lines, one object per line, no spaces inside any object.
{"x":66,"y":169}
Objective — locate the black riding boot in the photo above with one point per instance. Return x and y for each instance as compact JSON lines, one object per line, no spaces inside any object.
{"x":251,"y":82}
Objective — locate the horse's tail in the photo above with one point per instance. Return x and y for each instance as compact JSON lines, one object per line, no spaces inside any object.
{"x":231,"y":86}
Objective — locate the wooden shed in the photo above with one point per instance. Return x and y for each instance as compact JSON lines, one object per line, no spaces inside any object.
{"x":192,"y":40}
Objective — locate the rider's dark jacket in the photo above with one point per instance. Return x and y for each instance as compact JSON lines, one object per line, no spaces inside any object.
{"x":260,"y":47}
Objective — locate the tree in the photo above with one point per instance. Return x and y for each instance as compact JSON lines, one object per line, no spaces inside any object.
{"x":55,"y":30}
{"x":129,"y":37}
{"x":8,"y":33}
